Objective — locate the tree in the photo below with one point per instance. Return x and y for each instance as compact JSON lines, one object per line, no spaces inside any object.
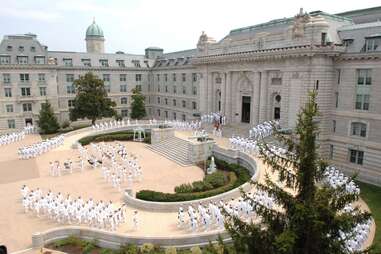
{"x":47,"y":121}
{"x":91,"y":99}
{"x":310,"y":217}
{"x":138,"y":110}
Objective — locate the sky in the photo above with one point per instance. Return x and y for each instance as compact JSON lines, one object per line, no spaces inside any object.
{"x":133,"y":25}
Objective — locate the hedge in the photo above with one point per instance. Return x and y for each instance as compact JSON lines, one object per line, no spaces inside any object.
{"x":120,"y":135}
{"x":214,"y":180}
{"x":238,"y":175}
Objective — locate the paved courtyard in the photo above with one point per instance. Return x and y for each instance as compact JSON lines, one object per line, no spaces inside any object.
{"x":159,"y":173}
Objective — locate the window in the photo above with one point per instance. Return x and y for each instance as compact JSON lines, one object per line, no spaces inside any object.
{"x":158,"y":100}
{"x":166,"y":101}
{"x":194,"y":90}
{"x":333,"y":126}
{"x":184,"y":90}
{"x":158,"y":77}
{"x":27,"y":107}
{"x":174,"y":89}
{"x":124,"y":112}
{"x":184,"y":104}
{"x":7,"y":78}
{"x":218,"y":80}
{"x":11,"y":124}
{"x":25,"y":91}
{"x":5,"y":59}
{"x":174,"y":102}
{"x":174,"y":116}
{"x":8,"y":92}
{"x":166,"y":89}
{"x":70,"y":103}
{"x":166,"y":114}
{"x":362,"y":101}
{"x":86,"y":62}
{"x":183,"y":117}
{"x":9,"y":48}
{"x":24,"y":77}
{"x":338,"y":75}
{"x":317,"y":85}
{"x":194,"y":77}
{"x":356,"y":156}
{"x":330,"y":151}
{"x":158,"y":112}
{"x":21,"y":48}
{"x":39,"y":59}
{"x":123,"y":77}
{"x":138,"y":87}
{"x":165,"y":77}
{"x":138,"y":77}
{"x":69,"y":77}
{"x":108,"y":88}
{"x":9,"y":108}
{"x":106,"y":77}
{"x":183,"y":77}
{"x":347,"y":42}
{"x":68,"y":62}
{"x":41,"y":76}
{"x":276,"y":81}
{"x":194,"y":105}
{"x":123,"y":88}
{"x":22,"y":60}
{"x":103,"y":62}
{"x":158,"y":88}
{"x":120,"y":63}
{"x":358,"y":129}
{"x":174,"y":77}
{"x":364,"y":77}
{"x":42,"y":91}
{"x":123,"y":100}
{"x":70,"y":89}
{"x":372,"y":44}
{"x":336,"y":99}
{"x":136,"y":63}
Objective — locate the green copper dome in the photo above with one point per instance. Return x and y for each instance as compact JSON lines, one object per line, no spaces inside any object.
{"x":94,"y":30}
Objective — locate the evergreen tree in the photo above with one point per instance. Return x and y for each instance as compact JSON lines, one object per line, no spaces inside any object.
{"x":47,"y":121}
{"x":138,"y":110}
{"x":309,"y":215}
{"x":91,"y":99}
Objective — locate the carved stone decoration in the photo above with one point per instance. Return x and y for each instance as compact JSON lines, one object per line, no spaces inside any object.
{"x":245,"y":84}
{"x":203,"y":40}
{"x":52,"y":61}
{"x":300,"y":20}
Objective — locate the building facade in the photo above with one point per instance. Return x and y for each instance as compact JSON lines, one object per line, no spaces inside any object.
{"x":253,"y":74}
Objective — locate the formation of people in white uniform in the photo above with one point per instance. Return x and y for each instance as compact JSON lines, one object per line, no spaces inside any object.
{"x":67,"y":167}
{"x":213,"y":118}
{"x":118,"y":166}
{"x":115,"y":124}
{"x":211,"y":216}
{"x":11,"y":138}
{"x":183,"y":125}
{"x":29,"y":129}
{"x":66,"y":209}
{"x":263,"y":130}
{"x":34,"y":150}
{"x":356,"y":239}
{"x":335,"y":178}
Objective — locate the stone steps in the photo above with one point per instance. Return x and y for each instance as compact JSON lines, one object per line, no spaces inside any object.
{"x":175,"y":149}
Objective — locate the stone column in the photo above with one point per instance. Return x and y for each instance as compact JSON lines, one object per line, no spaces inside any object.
{"x":203,"y":91}
{"x":228,"y":95}
{"x":263,"y":99}
{"x":256,"y":98}
{"x":209,"y":96}
{"x":223,"y":93}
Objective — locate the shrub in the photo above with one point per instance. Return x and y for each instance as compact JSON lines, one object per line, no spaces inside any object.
{"x":71,"y":240}
{"x":120,"y":135}
{"x":184,"y":188}
{"x":171,"y":250}
{"x":87,"y":247}
{"x":129,"y":248}
{"x":65,"y":124}
{"x":196,"y":250}
{"x":237,"y":176}
{"x":198,"y":186}
{"x":217,"y":179}
{"x":147,"y":248}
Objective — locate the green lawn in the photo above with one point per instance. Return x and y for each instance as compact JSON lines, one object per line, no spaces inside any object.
{"x":372,"y":196}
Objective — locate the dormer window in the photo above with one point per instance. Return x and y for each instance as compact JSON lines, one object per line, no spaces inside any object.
{"x":9,"y":48}
{"x":136,"y":63}
{"x":103,"y":62}
{"x":120,"y":63}
{"x":5,"y":59}
{"x":86,"y":62}
{"x":68,"y":61}
{"x":372,"y":44}
{"x":21,"y":48}
{"x":39,"y":60}
{"x":32,"y":49}
{"x":22,"y":60}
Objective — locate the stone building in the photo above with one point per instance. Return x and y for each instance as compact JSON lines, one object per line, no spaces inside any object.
{"x":253,"y":74}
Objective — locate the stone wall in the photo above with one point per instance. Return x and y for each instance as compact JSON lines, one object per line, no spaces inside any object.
{"x":158,"y":135}
{"x":199,"y":151}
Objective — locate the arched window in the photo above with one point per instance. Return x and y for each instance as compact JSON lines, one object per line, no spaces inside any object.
{"x":277,"y":100}
{"x":123,"y":100}
{"x":358,"y":129}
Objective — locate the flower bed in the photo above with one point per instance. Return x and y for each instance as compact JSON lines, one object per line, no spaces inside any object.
{"x":120,"y":135}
